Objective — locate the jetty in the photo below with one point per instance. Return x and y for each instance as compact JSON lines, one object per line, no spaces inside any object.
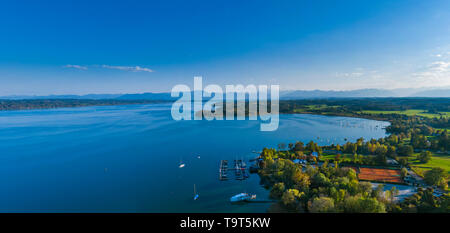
{"x":239,"y":169}
{"x":223,"y":170}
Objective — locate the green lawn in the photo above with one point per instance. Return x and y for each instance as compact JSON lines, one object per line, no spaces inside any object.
{"x":438,"y":160}
{"x":410,"y":112}
{"x":311,"y":107}
{"x":327,"y":156}
{"x":333,"y":156}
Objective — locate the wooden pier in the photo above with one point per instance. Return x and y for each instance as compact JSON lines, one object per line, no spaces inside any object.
{"x":223,"y":170}
{"x":239,"y":169}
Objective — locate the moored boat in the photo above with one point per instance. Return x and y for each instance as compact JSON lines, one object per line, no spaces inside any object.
{"x":195,"y":194}
{"x":242,"y":197}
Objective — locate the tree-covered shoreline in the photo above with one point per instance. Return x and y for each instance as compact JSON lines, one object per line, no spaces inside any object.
{"x":320,"y":183}
{"x":30,"y":104}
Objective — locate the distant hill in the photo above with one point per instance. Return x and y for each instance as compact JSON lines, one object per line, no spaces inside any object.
{"x":433,"y":93}
{"x":88,"y":96}
{"x":295,"y":94}
{"x":401,"y":92}
{"x":146,"y":96}
{"x":337,"y":94}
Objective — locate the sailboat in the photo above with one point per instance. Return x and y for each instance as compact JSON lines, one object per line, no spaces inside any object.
{"x":181,"y":164}
{"x":195,"y":194}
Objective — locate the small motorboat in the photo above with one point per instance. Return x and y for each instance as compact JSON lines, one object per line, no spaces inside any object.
{"x":181,"y":164}
{"x":242,"y":197}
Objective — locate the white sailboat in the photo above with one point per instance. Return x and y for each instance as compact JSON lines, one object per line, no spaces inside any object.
{"x":195,"y":194}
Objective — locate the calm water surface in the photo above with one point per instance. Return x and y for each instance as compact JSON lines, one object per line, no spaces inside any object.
{"x":125,"y":158}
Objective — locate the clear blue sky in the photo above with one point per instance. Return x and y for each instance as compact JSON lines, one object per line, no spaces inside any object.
{"x":80,"y":47}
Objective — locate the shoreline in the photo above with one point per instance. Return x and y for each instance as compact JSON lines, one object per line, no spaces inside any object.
{"x":49,"y":104}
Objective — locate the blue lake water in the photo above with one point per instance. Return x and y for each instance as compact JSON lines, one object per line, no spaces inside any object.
{"x":126,"y":158}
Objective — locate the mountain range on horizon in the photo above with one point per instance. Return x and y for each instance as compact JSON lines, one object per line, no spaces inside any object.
{"x":286,"y":95}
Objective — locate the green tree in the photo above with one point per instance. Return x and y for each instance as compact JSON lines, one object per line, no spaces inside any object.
{"x":365,"y":187}
{"x":436,"y":176}
{"x":290,"y":197}
{"x":378,"y":191}
{"x":321,"y":205}
{"x":404,"y":172}
{"x":391,"y":152}
{"x":277,"y":190}
{"x":299,"y":146}
{"x":300,"y":180}
{"x":320,"y":180}
{"x":358,"y":204}
{"x":424,"y":157}
{"x":381,"y":159}
{"x":403,"y":161}
{"x":405,"y":150}
{"x":445,"y":203}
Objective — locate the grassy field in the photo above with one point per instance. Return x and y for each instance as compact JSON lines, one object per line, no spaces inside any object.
{"x":410,"y":112}
{"x":326,"y":156}
{"x":438,"y":160}
{"x":311,"y":107}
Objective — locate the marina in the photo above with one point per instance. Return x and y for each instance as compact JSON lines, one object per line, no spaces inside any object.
{"x":239,"y":169}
